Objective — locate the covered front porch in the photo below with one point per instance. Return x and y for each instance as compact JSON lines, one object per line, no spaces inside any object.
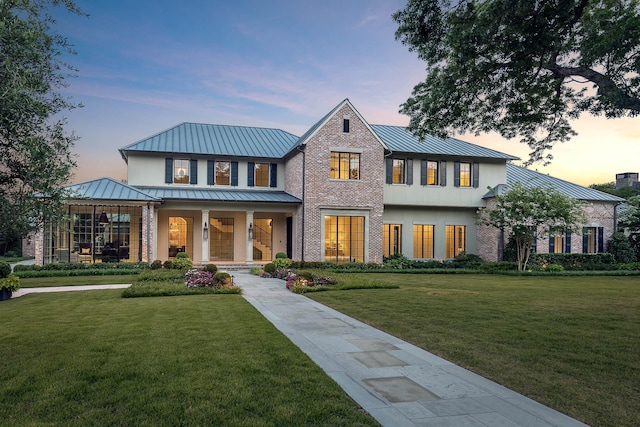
{"x":226,"y":236}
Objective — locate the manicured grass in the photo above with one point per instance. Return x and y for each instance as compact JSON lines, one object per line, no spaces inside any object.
{"x":568,"y":342}
{"x":94,"y":358}
{"x":43,"y":282}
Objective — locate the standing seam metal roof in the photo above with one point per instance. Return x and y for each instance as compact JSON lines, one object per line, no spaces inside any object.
{"x":205,"y":194}
{"x":398,"y":138}
{"x":530,"y":178}
{"x":108,"y":189}
{"x":223,"y":140}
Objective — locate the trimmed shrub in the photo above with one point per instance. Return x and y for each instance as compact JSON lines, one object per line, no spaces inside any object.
{"x":221,"y":278}
{"x":282,"y":263}
{"x":168,"y":264}
{"x":211,"y":268}
{"x":281,"y":255}
{"x":160,"y":276}
{"x":270,"y":268}
{"x":182,"y":261}
{"x":23,"y":267}
{"x":573,"y":262}
{"x":5,"y":269}
{"x":155,"y":265}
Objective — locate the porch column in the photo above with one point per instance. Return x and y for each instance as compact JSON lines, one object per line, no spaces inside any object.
{"x":249,"y":225}
{"x":205,"y":237}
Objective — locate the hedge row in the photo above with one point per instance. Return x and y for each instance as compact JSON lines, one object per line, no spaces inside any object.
{"x":80,"y":266}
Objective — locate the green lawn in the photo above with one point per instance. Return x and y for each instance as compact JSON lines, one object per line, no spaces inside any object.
{"x":572,"y":343}
{"x":94,"y":358}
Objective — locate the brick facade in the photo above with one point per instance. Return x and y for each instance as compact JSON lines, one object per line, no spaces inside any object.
{"x":363,"y":197}
{"x":599,"y":214}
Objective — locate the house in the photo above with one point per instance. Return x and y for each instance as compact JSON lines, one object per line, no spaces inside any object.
{"x":344,"y":191}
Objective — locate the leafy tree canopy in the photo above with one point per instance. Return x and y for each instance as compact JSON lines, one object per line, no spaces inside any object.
{"x":610,"y":187}
{"x":521,"y":68}
{"x":35,"y":150}
{"x":529,"y":213}
{"x":630,"y":222}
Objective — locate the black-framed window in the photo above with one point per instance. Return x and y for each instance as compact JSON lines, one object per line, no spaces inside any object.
{"x":391,"y":239}
{"x":456,"y":240}
{"x":466,"y":174}
{"x":344,"y":238}
{"x":423,"y":242}
{"x":344,"y":165}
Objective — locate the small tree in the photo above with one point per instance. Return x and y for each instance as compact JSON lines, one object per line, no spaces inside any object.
{"x":527,"y":213}
{"x":630,"y":223}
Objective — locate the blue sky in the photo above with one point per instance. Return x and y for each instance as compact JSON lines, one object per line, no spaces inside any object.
{"x":145,"y":66}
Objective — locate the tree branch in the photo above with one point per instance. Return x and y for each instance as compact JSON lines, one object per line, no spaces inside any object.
{"x":606,"y":87}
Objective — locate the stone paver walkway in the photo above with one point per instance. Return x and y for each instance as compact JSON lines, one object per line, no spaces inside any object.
{"x":397,"y":383}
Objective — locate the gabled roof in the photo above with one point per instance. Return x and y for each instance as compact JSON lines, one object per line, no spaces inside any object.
{"x":400,"y":139}
{"x":108,"y":189}
{"x":313,"y":129}
{"x":224,"y":140}
{"x":530,"y":178}
{"x":217,"y":195}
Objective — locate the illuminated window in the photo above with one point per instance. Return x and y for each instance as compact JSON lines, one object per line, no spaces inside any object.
{"x":344,"y":239}
{"x":223,"y":173}
{"x":221,"y":239}
{"x":391,"y":239}
{"x":345,"y":165}
{"x":262,"y":239}
{"x":423,"y":241}
{"x":592,"y":240}
{"x":432,"y":172}
{"x":180,"y":236}
{"x":455,"y":240}
{"x":262,"y":174}
{"x":398,"y":171}
{"x":465,"y":174}
{"x":559,"y":241}
{"x":181,"y":171}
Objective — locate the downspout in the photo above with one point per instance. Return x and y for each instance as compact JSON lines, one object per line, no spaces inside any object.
{"x":303,"y":200}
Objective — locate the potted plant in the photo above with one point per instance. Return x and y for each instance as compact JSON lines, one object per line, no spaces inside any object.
{"x":8,"y":286}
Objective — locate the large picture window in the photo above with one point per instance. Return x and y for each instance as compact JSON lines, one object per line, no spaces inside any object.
{"x":345,"y":165}
{"x":423,"y":241}
{"x":344,"y":239}
{"x":455,"y":240}
{"x":221,"y":239}
{"x":95,"y":234}
{"x":180,"y":236}
{"x":391,"y":239}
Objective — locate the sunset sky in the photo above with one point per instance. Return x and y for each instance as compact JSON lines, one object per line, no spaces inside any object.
{"x":147,"y":65}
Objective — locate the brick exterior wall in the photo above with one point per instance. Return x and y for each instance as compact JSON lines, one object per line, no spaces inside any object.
{"x":599,"y":214}
{"x":365,"y":194}
{"x":293,"y":173}
{"x":148,"y":230}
